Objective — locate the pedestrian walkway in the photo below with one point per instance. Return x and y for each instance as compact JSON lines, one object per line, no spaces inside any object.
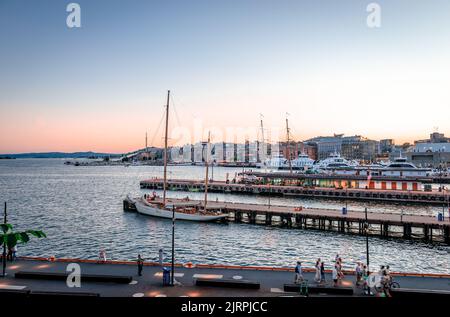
{"x":150,"y":283}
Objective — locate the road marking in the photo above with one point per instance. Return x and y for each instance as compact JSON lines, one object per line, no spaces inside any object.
{"x":12,"y":287}
{"x":138,"y":295}
{"x":276,"y":290}
{"x":159,"y":274}
{"x":133,"y":282}
{"x":237,"y":277}
{"x":208,"y":276}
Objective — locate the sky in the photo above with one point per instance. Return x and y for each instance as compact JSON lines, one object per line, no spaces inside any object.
{"x":103,"y":86}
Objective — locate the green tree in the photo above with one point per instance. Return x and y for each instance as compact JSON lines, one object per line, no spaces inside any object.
{"x":9,"y":238}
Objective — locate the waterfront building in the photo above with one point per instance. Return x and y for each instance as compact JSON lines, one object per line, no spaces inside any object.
{"x":386,"y":145}
{"x":327,"y":145}
{"x":359,"y":148}
{"x":434,"y":152}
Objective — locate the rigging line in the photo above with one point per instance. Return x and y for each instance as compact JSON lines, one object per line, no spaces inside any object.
{"x":175,"y":110}
{"x":157,"y":129}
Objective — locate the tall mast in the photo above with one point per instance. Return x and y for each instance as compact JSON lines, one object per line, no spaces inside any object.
{"x":146,"y":146}
{"x":288,"y":146}
{"x":206,"y":164}
{"x":165,"y":148}
{"x":263,"y":156}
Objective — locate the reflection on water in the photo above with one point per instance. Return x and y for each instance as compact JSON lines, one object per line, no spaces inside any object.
{"x":80,"y":208}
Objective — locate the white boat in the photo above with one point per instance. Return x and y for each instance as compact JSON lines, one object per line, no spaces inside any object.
{"x":302,"y":162}
{"x":334,"y":161}
{"x":181,"y":211}
{"x":278,"y":161}
{"x":401,"y":167}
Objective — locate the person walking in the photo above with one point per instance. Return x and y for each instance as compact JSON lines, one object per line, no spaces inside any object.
{"x":322,"y":272}
{"x":9,"y":255}
{"x":14,"y":253}
{"x":298,"y":273}
{"x":317,"y":266}
{"x":102,"y":255}
{"x":161,"y":257}
{"x":340,"y":273}
{"x":140,"y":264}
{"x":334,"y":274}
{"x":358,"y":271}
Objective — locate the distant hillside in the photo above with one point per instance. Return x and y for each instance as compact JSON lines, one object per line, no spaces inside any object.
{"x":58,"y":155}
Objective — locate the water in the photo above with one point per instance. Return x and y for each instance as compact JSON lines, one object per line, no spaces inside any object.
{"x":80,"y":209}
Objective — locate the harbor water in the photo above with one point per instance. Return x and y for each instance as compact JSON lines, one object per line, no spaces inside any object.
{"x":80,"y":209}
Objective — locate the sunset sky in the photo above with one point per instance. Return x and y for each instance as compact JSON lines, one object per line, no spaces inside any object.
{"x":101,"y":87}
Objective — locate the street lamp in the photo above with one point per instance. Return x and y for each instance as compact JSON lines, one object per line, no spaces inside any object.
{"x":4,"y":244}
{"x":173,"y":247}
{"x":366,"y":229}
{"x":443,"y":202}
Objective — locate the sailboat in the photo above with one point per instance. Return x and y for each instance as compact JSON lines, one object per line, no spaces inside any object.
{"x":151,"y":206}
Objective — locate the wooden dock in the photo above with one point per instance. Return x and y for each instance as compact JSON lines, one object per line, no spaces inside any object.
{"x":390,"y":196}
{"x":426,"y":228}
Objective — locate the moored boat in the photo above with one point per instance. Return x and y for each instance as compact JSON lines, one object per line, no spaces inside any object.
{"x":151,"y":206}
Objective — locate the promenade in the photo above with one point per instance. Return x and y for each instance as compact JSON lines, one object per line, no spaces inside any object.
{"x":150,"y":284}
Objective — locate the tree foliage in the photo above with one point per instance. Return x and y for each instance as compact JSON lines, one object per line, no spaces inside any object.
{"x":10,"y":238}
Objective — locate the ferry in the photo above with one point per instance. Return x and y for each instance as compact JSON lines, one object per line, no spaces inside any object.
{"x":302,"y":162}
{"x":334,"y":161}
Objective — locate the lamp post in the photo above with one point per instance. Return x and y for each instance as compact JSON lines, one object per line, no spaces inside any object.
{"x":173,"y":248}
{"x":443,"y":202}
{"x":366,"y":229}
{"x":4,"y":244}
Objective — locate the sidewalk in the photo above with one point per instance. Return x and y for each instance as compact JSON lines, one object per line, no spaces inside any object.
{"x":150,"y":284}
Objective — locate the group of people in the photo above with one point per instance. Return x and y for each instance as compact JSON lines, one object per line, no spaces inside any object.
{"x":140,"y":260}
{"x":11,"y":254}
{"x":361,"y":274}
{"x":337,"y":272}
{"x":319,"y":276}
{"x":385,"y":279}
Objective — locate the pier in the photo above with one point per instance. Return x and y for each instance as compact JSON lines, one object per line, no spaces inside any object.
{"x":390,"y":196}
{"x":386,"y":225}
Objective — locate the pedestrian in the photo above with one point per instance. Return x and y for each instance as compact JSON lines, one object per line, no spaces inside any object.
{"x":140,"y":264}
{"x":14,"y":253}
{"x":334,"y":273}
{"x":340,"y":272}
{"x":385,"y":284}
{"x":298,"y":273}
{"x":161,"y":257}
{"x":358,"y":273}
{"x":317,"y":266}
{"x":365,"y":277}
{"x":322,"y":272}
{"x":388,"y":274}
{"x":9,"y":255}
{"x":102,"y":255}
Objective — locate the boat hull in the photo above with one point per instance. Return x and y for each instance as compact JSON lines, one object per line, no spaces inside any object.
{"x":149,"y":210}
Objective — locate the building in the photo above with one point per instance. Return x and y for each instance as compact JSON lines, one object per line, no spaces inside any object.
{"x":355,"y":147}
{"x":386,"y":145}
{"x":433,"y":152}
{"x":359,"y":148}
